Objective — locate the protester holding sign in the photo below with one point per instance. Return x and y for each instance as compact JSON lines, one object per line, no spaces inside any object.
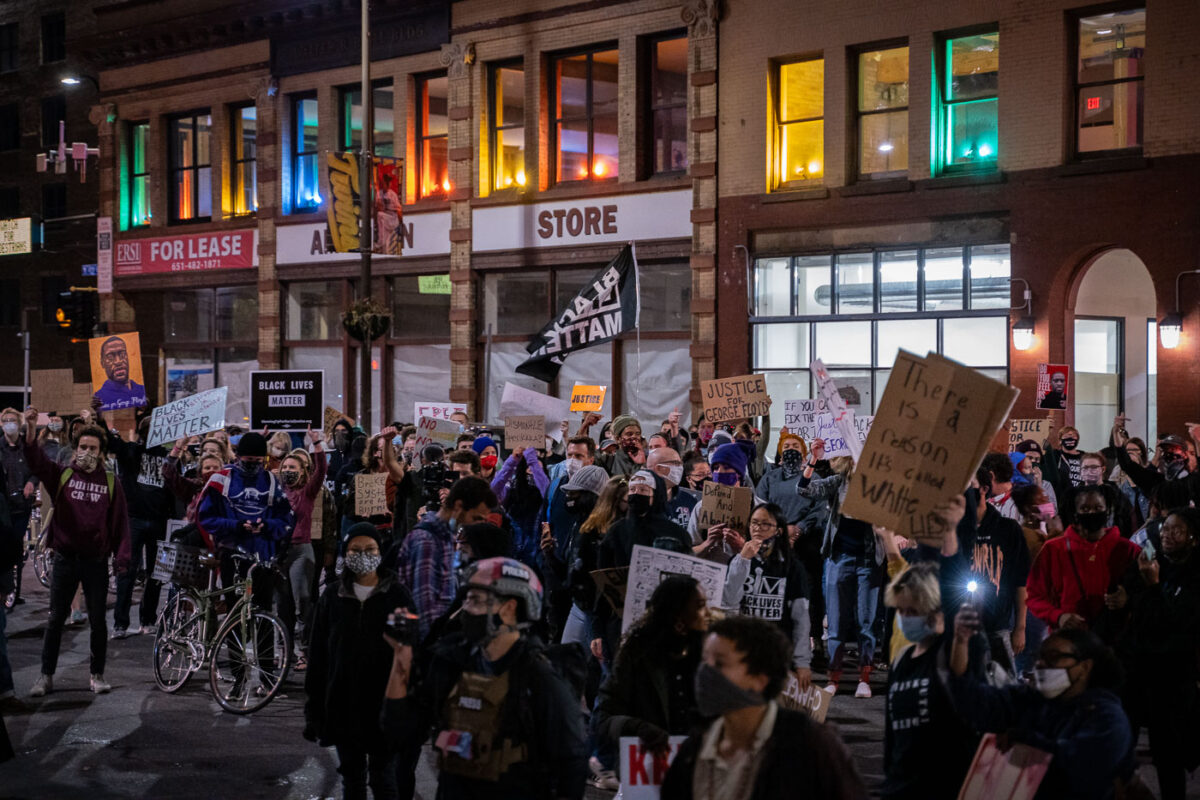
{"x":378,"y":459}
{"x":302,"y":483}
{"x":521,"y":486}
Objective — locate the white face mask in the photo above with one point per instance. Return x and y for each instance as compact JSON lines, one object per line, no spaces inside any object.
{"x":11,"y":428}
{"x":674,"y":474}
{"x":573,"y":466}
{"x":1051,"y":682}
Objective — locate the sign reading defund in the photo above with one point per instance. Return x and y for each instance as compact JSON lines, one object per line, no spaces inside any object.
{"x":934,"y":423}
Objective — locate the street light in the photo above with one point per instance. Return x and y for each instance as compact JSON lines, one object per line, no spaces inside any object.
{"x":1022,"y":331}
{"x":75,"y":80}
{"x":1171,"y":326}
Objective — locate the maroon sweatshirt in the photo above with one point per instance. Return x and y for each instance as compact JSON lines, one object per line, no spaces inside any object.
{"x":85,"y":521}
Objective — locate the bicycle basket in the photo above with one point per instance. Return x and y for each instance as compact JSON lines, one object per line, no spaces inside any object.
{"x":178,"y":563}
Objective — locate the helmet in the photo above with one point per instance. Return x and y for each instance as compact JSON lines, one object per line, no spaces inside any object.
{"x":507,"y":577}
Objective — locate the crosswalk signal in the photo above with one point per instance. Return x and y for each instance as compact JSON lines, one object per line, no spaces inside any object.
{"x":67,"y":309}
{"x":76,"y":312}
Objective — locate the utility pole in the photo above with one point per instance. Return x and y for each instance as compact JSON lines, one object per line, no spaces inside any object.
{"x":365,"y":240}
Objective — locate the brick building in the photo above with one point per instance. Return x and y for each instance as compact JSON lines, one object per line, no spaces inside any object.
{"x":898,"y":177}
{"x":537,"y":138}
{"x":37,"y":50}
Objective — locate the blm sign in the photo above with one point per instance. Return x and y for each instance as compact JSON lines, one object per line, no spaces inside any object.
{"x":287,"y":400}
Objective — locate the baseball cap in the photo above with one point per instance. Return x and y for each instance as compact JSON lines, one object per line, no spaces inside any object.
{"x":588,"y":479}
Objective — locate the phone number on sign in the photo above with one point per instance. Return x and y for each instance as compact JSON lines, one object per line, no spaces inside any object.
{"x":195,"y":264}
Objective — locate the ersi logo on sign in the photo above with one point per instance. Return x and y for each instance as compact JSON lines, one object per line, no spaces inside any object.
{"x":129,"y":252}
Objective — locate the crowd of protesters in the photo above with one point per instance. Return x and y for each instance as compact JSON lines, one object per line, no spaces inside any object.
{"x":1061,"y":609}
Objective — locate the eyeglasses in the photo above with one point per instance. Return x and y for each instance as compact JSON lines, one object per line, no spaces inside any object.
{"x":374,"y":551}
{"x":1054,"y":659}
{"x":763,"y":526}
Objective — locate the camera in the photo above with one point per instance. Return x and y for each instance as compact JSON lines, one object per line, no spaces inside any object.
{"x":402,"y":626}
{"x":435,"y":476}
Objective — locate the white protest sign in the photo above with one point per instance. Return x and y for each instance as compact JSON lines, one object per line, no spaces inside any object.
{"x":649,"y":565}
{"x":843,"y":417}
{"x":437,"y":410}
{"x":517,"y":401}
{"x":441,"y":432}
{"x":811,"y":419}
{"x":642,"y":772}
{"x":188,"y":416}
{"x":813,"y":701}
{"x":835,"y":442}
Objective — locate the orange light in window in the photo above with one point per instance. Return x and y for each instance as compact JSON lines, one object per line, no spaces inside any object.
{"x":374,"y":363}
{"x":600,"y":170}
{"x":446,"y":183}
{"x":583,"y":172}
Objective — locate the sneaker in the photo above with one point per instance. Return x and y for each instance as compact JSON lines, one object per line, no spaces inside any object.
{"x":119,"y":633}
{"x":831,"y":688}
{"x":99,"y":685}
{"x":148,"y":630}
{"x":42,"y":686}
{"x":863,"y":690}
{"x":78,"y":617}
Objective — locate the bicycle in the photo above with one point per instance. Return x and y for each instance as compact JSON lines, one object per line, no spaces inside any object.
{"x":33,"y":548}
{"x":249,"y":652}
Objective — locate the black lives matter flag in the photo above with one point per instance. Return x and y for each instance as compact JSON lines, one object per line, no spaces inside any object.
{"x":604,"y":308}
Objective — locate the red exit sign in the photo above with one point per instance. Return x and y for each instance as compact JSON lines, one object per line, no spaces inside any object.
{"x":1093,"y":104}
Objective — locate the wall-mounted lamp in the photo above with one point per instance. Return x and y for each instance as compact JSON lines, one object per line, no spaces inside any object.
{"x":1171,"y":326}
{"x":1022,"y":331}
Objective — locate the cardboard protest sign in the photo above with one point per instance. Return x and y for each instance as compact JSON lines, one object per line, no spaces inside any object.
{"x":441,"y":432}
{"x":813,"y":701}
{"x":1052,"y":386}
{"x":934,"y":424}
{"x":843,"y":417}
{"x":124,"y":422}
{"x":117,"y":371}
{"x":437,"y":410}
{"x":731,"y":399}
{"x":588,"y":398}
{"x":1013,"y":774}
{"x":81,"y":398}
{"x":51,"y":389}
{"x":517,"y":401}
{"x":1021,"y":429}
{"x":188,"y":416}
{"x":649,"y":565}
{"x":330,"y":418}
{"x":610,"y":584}
{"x":725,"y":505}
{"x":523,"y":432}
{"x":370,"y":494}
{"x":810,"y":419}
{"x":287,"y":399}
{"x":642,"y":772}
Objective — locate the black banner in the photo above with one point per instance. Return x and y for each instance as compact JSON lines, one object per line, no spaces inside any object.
{"x":287,"y":400}
{"x":604,"y":308}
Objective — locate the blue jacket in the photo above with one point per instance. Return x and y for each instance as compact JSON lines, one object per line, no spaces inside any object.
{"x":226,"y":502}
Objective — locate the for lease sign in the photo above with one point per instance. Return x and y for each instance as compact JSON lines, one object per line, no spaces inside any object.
{"x":187,"y":253}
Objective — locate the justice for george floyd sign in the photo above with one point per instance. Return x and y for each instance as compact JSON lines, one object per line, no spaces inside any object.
{"x":287,"y":400}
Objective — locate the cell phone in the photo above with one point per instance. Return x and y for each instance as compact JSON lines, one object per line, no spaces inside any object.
{"x":402,"y":626}
{"x":1148,"y":549}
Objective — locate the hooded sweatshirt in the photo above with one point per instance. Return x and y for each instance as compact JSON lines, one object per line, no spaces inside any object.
{"x":652,"y":530}
{"x":1072,"y":575}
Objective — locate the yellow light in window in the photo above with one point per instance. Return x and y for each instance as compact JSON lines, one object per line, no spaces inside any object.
{"x":508,"y":181}
{"x":600,"y":169}
{"x":521,"y":178}
{"x":799,"y":170}
{"x":445,"y":184}
{"x":583,"y":172}
{"x":814,"y":167}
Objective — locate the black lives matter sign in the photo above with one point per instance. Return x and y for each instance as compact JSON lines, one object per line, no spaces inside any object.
{"x":287,"y":400}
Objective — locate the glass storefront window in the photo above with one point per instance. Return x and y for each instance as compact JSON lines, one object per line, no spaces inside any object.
{"x":516,"y":303}
{"x":814,"y":293}
{"x":918,"y":336}
{"x":666,"y":380}
{"x":237,"y":314}
{"x":772,"y":293}
{"x":991,"y":271}
{"x":843,"y":343}
{"x":314,"y":311}
{"x":898,"y":281}
{"x":418,"y":314}
{"x":976,"y":341}
{"x":420,"y":374}
{"x":855,"y":283}
{"x":329,"y":359}
{"x":781,"y":345}
{"x":944,"y":279}
{"x":188,"y":315}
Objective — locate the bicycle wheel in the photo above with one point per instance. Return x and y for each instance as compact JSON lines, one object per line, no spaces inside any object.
{"x":250,"y":661}
{"x":43,"y":558}
{"x":10,"y":598}
{"x":179,"y":643}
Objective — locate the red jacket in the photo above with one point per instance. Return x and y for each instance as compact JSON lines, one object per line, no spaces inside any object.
{"x":1055,"y":587}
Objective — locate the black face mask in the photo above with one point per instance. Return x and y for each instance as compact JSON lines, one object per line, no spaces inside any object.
{"x":1092,"y":521}
{"x":250,"y":469}
{"x":581,"y":506}
{"x":698,"y":484}
{"x":790,"y":459}
{"x":1069,"y":443}
{"x":639,"y":505}
{"x":479,"y":629}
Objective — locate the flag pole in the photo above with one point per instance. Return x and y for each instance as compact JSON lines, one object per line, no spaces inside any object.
{"x":637,"y":327}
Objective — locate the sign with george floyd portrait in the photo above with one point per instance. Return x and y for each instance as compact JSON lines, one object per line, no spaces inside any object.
{"x":117,"y":371}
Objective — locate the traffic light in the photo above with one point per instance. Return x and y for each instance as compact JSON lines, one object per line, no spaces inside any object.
{"x":76,"y":312}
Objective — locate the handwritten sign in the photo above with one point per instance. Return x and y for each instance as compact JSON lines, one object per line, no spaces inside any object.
{"x":649,"y":565}
{"x":643,"y":771}
{"x":441,"y":432}
{"x":330,"y":418}
{"x":932,"y":428}
{"x":522,"y":432}
{"x":811,"y":419}
{"x":843,"y":417}
{"x":51,"y":389}
{"x":437,"y":410}
{"x":188,"y":416}
{"x":727,"y":505}
{"x":813,"y":701}
{"x":1014,"y":773}
{"x":1021,"y":429}
{"x":518,"y":401}
{"x":588,"y":398}
{"x":370,"y":494}
{"x":731,"y":399}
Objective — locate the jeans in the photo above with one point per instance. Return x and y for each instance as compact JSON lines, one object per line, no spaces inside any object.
{"x":20,"y":522}
{"x":295,"y":602}
{"x":851,"y":584}
{"x":6,"y":678}
{"x":360,"y":767}
{"x":144,"y":536}
{"x":69,"y":573}
{"x":578,"y":627}
{"x":1035,"y":634}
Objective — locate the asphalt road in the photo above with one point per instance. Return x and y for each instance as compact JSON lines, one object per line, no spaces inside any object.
{"x":140,"y":742}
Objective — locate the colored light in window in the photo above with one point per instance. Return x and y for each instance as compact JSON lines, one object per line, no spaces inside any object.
{"x":1093,"y":103}
{"x":984,"y":151}
{"x":600,"y":169}
{"x":520,"y":179}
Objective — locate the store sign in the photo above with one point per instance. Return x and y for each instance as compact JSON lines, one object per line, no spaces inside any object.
{"x":104,"y":254}
{"x":420,"y":235}
{"x":195,"y":252}
{"x":593,"y":220}
{"x":16,"y":236}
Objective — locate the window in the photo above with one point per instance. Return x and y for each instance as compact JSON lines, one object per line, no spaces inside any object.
{"x":54,"y":110}
{"x":351,"y":119}
{"x":139,"y":174}
{"x":52,"y":287}
{"x":210,"y":339}
{"x":855,"y":310}
{"x":244,"y":122}
{"x":10,"y":302}
{"x":306,"y":187}
{"x":1109,"y":79}
{"x":54,"y":37}
{"x":883,"y":112}
{"x":508,"y":126}
{"x":9,"y":47}
{"x":668,"y":105}
{"x":800,"y":128}
{"x":10,"y":202}
{"x":967,"y":132}
{"x":583,"y":94}
{"x":190,"y":167}
{"x":314,"y":311}
{"x":421,"y":307}
{"x":54,"y":200}
{"x":433,"y":136}
{"x":10,"y":127}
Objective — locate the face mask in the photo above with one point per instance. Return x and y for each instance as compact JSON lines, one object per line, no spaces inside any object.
{"x":674,"y":474}
{"x":362,"y":563}
{"x":698,"y":483}
{"x":1045,"y":510}
{"x":717,"y":695}
{"x":639,"y":505}
{"x":1051,"y":682}
{"x":289,"y":477}
{"x":915,"y":629}
{"x":791,"y":460}
{"x":488,"y":462}
{"x":581,"y":506}
{"x":87,"y":460}
{"x":11,"y":428}
{"x":250,"y":469}
{"x":55,"y":426}
{"x":235,"y":439}
{"x":1069,"y":442}
{"x":479,"y":629}
{"x":1092,"y":521}
{"x":1172,"y":469}
{"x":277,"y":452}
{"x":705,"y":436}
{"x":630,"y":449}
{"x":573,"y":466}
{"x":340,"y":440}
{"x":726,"y":478}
